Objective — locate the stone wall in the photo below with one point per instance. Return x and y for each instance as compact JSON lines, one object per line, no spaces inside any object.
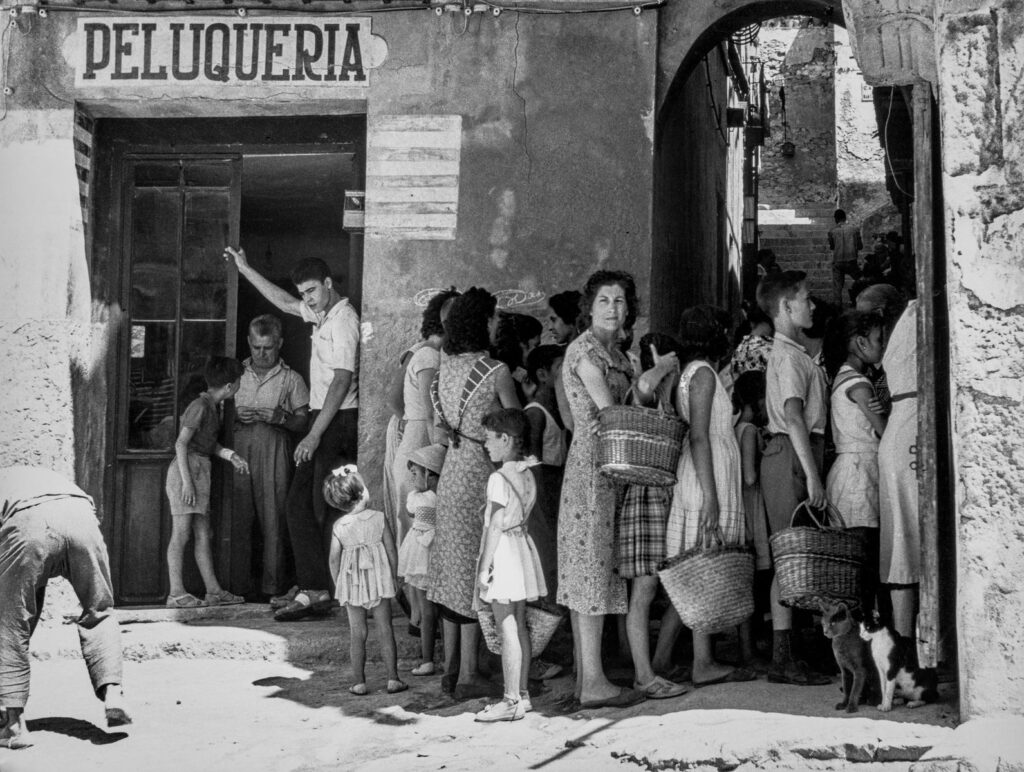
{"x":860,"y":160}
{"x":798,"y":54}
{"x":981,"y":94}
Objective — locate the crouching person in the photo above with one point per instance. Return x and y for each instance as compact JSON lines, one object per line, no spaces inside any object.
{"x":48,"y":528}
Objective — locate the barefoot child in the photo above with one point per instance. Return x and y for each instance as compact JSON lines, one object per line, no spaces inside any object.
{"x":509,"y":572}
{"x":362,"y":561}
{"x":188,"y":484}
{"x":852,"y":343}
{"x":414,"y":554}
{"x":748,"y":401}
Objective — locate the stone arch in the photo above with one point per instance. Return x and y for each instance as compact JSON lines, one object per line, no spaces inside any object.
{"x":689,"y":31}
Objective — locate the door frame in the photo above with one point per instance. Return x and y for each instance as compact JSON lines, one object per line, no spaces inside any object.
{"x":119,"y":141}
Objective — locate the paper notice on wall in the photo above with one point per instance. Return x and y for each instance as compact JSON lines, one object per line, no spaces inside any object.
{"x":412,"y":176}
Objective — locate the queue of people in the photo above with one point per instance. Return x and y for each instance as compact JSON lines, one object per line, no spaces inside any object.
{"x":478,"y":389}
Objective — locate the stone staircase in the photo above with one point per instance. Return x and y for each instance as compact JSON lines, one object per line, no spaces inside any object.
{"x":799,"y":238}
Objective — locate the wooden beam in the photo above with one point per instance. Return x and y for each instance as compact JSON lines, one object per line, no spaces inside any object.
{"x":927,"y":445}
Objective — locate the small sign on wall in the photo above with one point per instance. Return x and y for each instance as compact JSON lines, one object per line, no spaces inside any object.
{"x":412,"y":176}
{"x":187,"y":53}
{"x":354,"y":213}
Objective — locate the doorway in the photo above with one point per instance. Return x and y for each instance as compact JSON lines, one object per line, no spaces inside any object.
{"x":174,"y":193}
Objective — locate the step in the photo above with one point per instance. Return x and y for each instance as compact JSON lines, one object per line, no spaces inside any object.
{"x":247,"y":632}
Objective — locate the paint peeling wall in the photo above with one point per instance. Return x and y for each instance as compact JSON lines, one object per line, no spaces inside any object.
{"x":555,"y":175}
{"x":981,"y":80}
{"x":554,"y":182}
{"x":799,"y":56}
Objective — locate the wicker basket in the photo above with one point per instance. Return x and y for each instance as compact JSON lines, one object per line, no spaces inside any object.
{"x":640,"y":445}
{"x":712,"y":589}
{"x":539,"y":621}
{"x":818,"y":564}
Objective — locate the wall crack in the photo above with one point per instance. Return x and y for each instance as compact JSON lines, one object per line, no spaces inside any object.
{"x":526,"y":123}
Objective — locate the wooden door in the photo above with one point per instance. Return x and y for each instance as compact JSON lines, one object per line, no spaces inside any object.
{"x":179,"y":304}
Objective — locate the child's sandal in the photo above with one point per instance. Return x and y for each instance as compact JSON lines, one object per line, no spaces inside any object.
{"x":359,"y":690}
{"x":396,"y":686}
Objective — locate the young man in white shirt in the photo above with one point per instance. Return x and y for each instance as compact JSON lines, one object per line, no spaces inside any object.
{"x":332,"y":436}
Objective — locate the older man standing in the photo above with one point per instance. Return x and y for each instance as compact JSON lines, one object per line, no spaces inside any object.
{"x":334,"y":410}
{"x":271,"y":403}
{"x":48,"y":528}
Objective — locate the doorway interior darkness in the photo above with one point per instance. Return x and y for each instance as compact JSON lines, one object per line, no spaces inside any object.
{"x":169,"y":195}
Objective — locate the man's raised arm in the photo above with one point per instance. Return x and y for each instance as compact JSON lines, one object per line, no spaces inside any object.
{"x":282,"y":299}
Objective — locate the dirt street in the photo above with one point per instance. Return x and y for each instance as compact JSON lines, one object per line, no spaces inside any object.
{"x":225,"y":715}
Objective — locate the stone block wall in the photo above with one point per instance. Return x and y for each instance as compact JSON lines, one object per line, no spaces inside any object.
{"x":981,"y":96}
{"x":799,"y":55}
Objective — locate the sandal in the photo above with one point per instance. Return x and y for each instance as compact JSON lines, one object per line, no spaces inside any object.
{"x":395,"y":686}
{"x":223,"y":598}
{"x":424,"y":669}
{"x":188,"y":600}
{"x":661,"y":689}
{"x":359,"y":690}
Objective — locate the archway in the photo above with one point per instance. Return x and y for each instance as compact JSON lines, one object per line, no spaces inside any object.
{"x":701,"y":222}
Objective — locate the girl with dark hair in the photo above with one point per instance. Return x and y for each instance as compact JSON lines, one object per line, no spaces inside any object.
{"x":853,"y":342}
{"x":563,"y":312}
{"x":596,"y":374}
{"x":469,"y":385}
{"x":515,"y":337}
{"x":707,"y":503}
{"x":415,"y":426}
{"x":752,"y":351}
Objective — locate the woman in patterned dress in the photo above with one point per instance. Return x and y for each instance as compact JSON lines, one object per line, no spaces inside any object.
{"x":596,"y":374}
{"x":469,"y":385}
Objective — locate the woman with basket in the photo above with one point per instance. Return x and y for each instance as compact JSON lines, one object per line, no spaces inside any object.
{"x":469,"y":384}
{"x":596,"y":374}
{"x":707,"y":503}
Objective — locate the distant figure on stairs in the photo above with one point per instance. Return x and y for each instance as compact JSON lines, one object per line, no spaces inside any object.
{"x":767,"y":263}
{"x":845,"y":242}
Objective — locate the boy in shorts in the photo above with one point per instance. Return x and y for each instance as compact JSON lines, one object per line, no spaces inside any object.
{"x":188,"y":484}
{"x":792,"y":460}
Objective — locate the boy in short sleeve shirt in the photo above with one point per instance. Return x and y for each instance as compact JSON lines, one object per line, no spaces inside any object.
{"x":792,"y":461}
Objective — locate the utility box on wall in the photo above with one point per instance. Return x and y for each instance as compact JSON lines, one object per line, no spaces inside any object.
{"x":354,"y":213}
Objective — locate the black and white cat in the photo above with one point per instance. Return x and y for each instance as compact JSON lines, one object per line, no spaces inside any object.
{"x":841,"y":624}
{"x":896,"y":662}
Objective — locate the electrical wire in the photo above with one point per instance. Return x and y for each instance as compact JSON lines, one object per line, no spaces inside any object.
{"x":714,"y":105}
{"x":5,"y":47}
{"x":84,"y":6}
{"x":885,"y":149}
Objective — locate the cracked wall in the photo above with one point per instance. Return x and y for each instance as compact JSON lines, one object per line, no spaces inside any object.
{"x":554,"y":182}
{"x":981,"y":93}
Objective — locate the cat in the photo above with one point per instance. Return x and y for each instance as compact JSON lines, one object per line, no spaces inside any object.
{"x":896,"y":662}
{"x":840,"y":623}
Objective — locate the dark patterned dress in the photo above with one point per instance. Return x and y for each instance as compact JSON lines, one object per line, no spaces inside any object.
{"x":587,"y":582}
{"x":462,"y":489}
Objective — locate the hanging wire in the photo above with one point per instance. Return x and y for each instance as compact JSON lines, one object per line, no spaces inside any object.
{"x":5,"y":48}
{"x":885,"y":149}
{"x":714,"y":105}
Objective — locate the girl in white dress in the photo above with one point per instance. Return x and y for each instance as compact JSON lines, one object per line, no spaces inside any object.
{"x":509,"y":572}
{"x":362,"y":561}
{"x":414,"y":555}
{"x":852,"y":342}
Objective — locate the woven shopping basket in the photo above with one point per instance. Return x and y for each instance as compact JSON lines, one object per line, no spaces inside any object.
{"x":640,"y":445}
{"x":711,"y":588}
{"x":818,"y":564}
{"x":539,"y":621}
